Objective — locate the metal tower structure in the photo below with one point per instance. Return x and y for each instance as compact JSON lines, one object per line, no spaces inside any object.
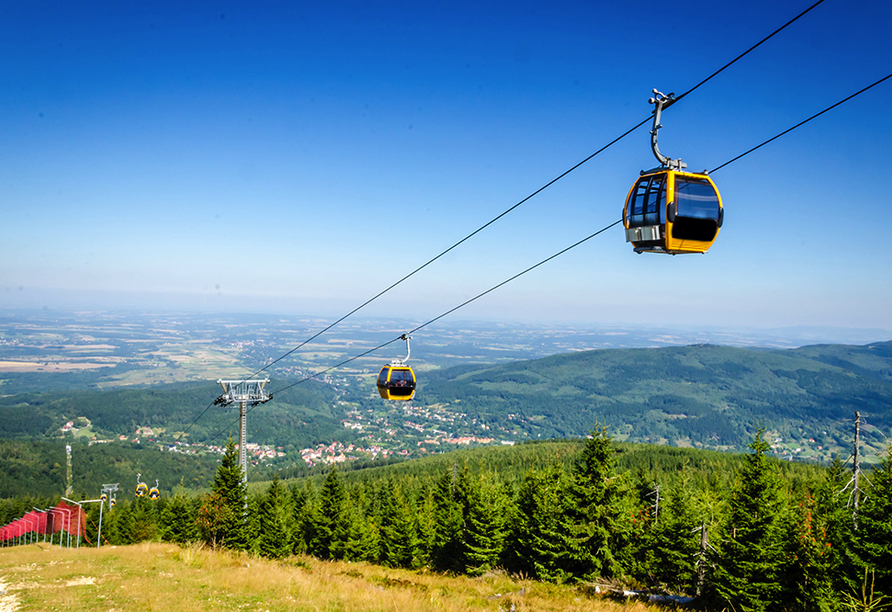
{"x":245,"y":392}
{"x":106,"y":489}
{"x":856,"y":469}
{"x":68,"y":475}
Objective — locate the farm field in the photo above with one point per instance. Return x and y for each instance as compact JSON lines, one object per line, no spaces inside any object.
{"x":109,"y":350}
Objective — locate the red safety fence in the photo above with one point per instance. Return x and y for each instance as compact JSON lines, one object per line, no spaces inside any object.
{"x":66,"y":517}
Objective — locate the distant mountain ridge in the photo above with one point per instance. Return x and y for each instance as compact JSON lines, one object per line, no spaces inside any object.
{"x":701,"y":395}
{"x":705,"y":396}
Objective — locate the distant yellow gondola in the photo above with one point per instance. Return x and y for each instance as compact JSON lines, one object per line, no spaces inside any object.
{"x":154,"y":492}
{"x":669,"y":210}
{"x":141,"y":488}
{"x":396,"y":381}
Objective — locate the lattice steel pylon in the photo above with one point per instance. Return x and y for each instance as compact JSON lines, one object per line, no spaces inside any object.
{"x":245,"y":392}
{"x":69,"y":478}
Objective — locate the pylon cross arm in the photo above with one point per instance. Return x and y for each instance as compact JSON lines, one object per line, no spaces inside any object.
{"x":250,"y":391}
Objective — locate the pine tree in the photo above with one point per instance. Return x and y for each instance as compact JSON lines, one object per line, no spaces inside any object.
{"x":364,"y":536}
{"x":873,"y":536}
{"x":426,"y":524}
{"x":117,"y":524}
{"x":640,"y":505}
{"x":228,"y":502}
{"x":677,"y":538}
{"x":252,"y":523}
{"x":832,"y":510}
{"x":751,"y":559}
{"x":819,"y":553}
{"x":807,"y":576}
{"x":534,"y":544}
{"x":304,"y":507}
{"x":178,"y":519}
{"x":142,"y":525}
{"x":593,"y":509}
{"x":399,"y":544}
{"x":331,"y":524}
{"x":484,"y":527}
{"x":273,"y":541}
{"x":214,"y":519}
{"x":448,"y":501}
{"x":91,"y":525}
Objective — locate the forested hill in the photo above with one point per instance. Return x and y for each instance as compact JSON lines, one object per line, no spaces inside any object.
{"x":704,"y":395}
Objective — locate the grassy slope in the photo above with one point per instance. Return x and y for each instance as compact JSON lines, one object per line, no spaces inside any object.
{"x":165,"y":577}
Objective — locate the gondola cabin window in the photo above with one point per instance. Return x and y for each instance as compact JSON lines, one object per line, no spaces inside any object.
{"x":648,"y":201}
{"x":401,"y":381}
{"x":697,"y":210}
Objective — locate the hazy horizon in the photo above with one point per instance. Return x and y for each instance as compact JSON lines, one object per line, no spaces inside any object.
{"x":752,"y":336}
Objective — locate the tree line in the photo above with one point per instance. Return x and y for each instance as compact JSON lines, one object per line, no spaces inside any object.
{"x":768,"y":542}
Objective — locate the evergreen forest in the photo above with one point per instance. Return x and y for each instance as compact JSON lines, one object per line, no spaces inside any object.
{"x":720,"y":531}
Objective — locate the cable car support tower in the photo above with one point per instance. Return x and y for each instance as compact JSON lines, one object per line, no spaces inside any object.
{"x":245,"y":392}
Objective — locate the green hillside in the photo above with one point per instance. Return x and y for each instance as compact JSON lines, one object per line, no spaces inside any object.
{"x":702,"y":396}
{"x":705,"y":395}
{"x":306,"y":413}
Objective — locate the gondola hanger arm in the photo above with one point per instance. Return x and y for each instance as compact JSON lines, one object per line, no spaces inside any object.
{"x":398,"y":362}
{"x":661,"y":101}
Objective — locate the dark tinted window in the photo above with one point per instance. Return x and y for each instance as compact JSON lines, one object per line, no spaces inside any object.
{"x":696,"y":199}
{"x":698,"y":210}
{"x":382,"y":376}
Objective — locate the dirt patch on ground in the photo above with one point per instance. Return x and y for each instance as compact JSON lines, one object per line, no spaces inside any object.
{"x":9,"y":599}
{"x":9,"y":602}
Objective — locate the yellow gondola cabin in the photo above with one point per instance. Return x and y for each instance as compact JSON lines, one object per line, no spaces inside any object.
{"x":669,"y":210}
{"x":396,"y":382}
{"x":142,"y":488}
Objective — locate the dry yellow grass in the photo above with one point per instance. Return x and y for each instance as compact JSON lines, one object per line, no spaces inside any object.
{"x":168,"y":578}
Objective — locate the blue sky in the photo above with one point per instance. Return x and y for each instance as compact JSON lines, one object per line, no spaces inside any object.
{"x":298,"y":158}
